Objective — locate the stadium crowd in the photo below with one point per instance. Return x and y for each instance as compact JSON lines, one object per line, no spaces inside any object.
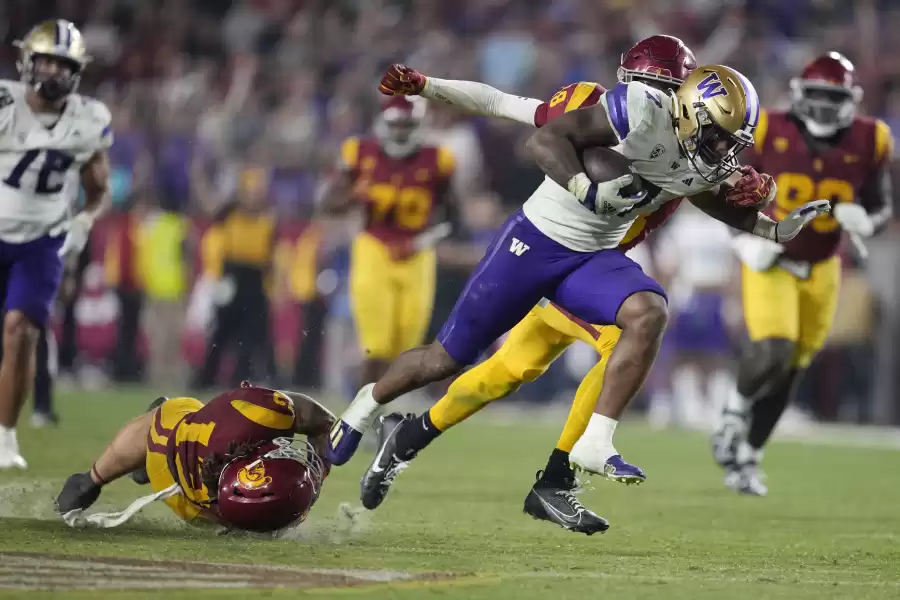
{"x":250,"y":99}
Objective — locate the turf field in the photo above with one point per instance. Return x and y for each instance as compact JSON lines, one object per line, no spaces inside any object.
{"x":453,"y":528}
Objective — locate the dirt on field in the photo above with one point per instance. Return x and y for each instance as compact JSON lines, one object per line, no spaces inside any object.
{"x":33,"y":571}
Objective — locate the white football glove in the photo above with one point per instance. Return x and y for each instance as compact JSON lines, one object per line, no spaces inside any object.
{"x":788,"y":228}
{"x":853,"y":218}
{"x":756,"y":253}
{"x":603,"y":197}
{"x":77,"y":230}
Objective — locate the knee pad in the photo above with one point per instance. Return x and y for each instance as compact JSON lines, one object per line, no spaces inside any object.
{"x":764,"y":362}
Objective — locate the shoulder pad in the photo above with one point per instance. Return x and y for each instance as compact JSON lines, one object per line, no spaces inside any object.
{"x":98,"y":117}
{"x":633,"y":105}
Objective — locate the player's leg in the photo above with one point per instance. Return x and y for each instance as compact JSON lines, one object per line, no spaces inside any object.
{"x":415,"y":302}
{"x":34,"y":275}
{"x":817,"y":303}
{"x":520,"y":267}
{"x":374,"y":303}
{"x":43,"y":380}
{"x":772,"y":316}
{"x":612,"y":289}
{"x":527,"y":352}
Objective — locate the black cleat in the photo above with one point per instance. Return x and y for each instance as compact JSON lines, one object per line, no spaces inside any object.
{"x":377,"y":480}
{"x":140,"y":476}
{"x":79,"y":491}
{"x":560,"y":505}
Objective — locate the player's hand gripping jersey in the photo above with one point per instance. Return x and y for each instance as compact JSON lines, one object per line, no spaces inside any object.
{"x":40,"y":165}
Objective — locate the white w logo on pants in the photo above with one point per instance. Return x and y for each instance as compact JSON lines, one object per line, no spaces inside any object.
{"x":518,"y":247}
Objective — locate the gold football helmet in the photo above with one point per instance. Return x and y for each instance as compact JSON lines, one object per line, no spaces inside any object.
{"x":61,"y":42}
{"x":716,"y":112}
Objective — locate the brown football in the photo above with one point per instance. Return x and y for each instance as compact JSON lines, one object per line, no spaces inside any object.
{"x":602,"y":164}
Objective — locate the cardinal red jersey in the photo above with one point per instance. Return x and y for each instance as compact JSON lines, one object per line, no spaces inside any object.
{"x":399,"y":195}
{"x":838,"y":174}
{"x":581,"y":95}
{"x":242,"y":415}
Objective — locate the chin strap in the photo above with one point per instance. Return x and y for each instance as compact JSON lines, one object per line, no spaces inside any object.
{"x":76,"y":518}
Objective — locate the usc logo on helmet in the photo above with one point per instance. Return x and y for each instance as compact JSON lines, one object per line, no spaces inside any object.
{"x":253,"y":476}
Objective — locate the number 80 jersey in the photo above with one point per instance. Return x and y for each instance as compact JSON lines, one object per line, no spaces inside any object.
{"x":40,"y":164}
{"x":847,"y":171}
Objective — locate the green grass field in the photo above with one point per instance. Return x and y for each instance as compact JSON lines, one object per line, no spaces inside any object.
{"x":829,"y":529}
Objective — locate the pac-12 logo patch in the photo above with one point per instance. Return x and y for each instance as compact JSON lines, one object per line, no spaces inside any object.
{"x":657,"y":151}
{"x":711,"y":86}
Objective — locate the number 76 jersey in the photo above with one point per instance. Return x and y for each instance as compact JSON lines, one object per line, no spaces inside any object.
{"x":846,"y":171}
{"x":40,"y":163}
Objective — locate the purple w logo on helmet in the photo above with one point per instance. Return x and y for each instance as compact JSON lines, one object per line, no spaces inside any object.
{"x":711,"y":86}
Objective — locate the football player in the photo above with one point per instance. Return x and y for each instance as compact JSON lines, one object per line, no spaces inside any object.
{"x":563,"y":244}
{"x":535,"y":342}
{"x":231,"y":462}
{"x":50,"y":140}
{"x":820,"y":148}
{"x":402,"y":186}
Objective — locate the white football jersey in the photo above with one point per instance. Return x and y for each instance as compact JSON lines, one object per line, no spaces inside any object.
{"x":40,"y":165}
{"x":642,"y":119}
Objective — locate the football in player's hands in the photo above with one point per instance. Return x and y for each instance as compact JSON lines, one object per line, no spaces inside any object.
{"x":753,"y":189}
{"x":602,"y":164}
{"x":403,"y":80}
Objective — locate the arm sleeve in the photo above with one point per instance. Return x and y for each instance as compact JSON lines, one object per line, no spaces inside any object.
{"x":481,"y":99}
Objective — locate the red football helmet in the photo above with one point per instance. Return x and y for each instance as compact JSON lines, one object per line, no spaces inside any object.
{"x":660,"y":58}
{"x":272,"y":488}
{"x":825,"y":95}
{"x":399,"y":126}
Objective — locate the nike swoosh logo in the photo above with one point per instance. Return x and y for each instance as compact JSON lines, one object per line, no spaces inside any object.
{"x":553,"y":509}
{"x":375,"y":467}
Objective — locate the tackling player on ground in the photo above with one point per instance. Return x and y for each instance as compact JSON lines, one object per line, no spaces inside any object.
{"x":50,"y":139}
{"x":403,"y":188}
{"x":563,"y":244}
{"x":819,"y":148}
{"x":231,"y":462}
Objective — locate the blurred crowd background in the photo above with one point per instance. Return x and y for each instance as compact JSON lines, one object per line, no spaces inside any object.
{"x":248,"y":100}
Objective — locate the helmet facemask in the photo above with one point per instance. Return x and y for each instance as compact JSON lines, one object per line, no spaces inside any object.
{"x":824,"y":108}
{"x":711,"y":149}
{"x":399,"y":126}
{"x":50,"y":84}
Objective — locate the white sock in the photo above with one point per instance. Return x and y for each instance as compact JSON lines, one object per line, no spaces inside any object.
{"x":599,"y":436}
{"x":361,"y":412}
{"x":8,"y":438}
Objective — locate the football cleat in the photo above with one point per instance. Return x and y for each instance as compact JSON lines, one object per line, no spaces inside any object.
{"x":560,"y":505}
{"x":615,"y":469}
{"x":725,"y":440}
{"x":377,"y":480}
{"x":747,"y":480}
{"x":140,"y":475}
{"x":40,"y":420}
{"x":79,"y":492}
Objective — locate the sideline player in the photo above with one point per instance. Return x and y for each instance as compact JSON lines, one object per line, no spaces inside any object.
{"x":230,"y":462}
{"x":403,"y":187}
{"x":567,"y":240}
{"x":820,"y":148}
{"x":50,"y":137}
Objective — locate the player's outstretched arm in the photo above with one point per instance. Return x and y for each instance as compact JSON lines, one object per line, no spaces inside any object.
{"x":749,"y":219}
{"x":467,"y":96}
{"x":312,"y":420}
